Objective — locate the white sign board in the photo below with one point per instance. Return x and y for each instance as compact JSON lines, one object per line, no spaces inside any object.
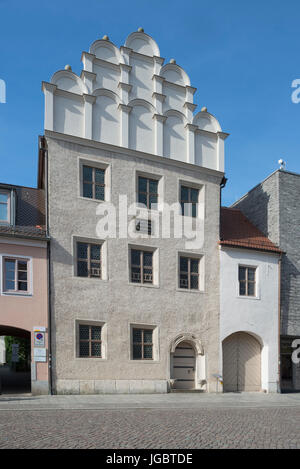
{"x":39,"y":329}
{"x":40,"y":354}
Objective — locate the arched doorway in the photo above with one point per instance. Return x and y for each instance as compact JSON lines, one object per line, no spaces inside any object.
{"x":184,"y":366}
{"x":15,"y":371}
{"x":241,"y":363}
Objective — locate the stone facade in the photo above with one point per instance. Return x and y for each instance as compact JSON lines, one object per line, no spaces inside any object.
{"x":273,"y":206}
{"x":114,"y":302}
{"x":131,"y":115}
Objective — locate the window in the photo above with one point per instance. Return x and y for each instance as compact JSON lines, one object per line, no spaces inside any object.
{"x":189,"y":201}
{"x":141,"y":266}
{"x":93,"y":183}
{"x":88,"y":260}
{"x":15,"y":275}
{"x":247,"y":281}
{"x":89,"y":341}
{"x":189,"y":273}
{"x":147,"y":192}
{"x":4,"y":206}
{"x":142,"y":344}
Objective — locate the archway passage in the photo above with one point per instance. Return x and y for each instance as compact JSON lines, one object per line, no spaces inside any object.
{"x":184,"y":365}
{"x":15,"y":371}
{"x":241,"y":363}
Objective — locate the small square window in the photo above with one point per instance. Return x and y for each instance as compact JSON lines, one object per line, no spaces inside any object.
{"x":142,"y":344}
{"x":15,"y":275}
{"x":89,"y":341}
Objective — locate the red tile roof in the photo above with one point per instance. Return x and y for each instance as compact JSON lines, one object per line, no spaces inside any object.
{"x":237,"y":231}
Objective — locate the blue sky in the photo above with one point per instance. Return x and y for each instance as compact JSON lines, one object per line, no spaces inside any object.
{"x":241,"y":56}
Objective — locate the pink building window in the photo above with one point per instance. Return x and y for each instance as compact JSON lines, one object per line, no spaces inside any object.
{"x":15,"y":275}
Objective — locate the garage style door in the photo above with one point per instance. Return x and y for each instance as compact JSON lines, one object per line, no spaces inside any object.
{"x":184,"y":366}
{"x":241,"y":363}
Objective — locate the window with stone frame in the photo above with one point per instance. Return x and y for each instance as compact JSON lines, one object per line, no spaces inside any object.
{"x":247,"y":281}
{"x":89,"y":341}
{"x":189,"y":273}
{"x":141,"y":266}
{"x":93,"y":182}
{"x":142,"y":344}
{"x":88,"y":259}
{"x":189,"y":198}
{"x":147,"y":191}
{"x":15,"y":275}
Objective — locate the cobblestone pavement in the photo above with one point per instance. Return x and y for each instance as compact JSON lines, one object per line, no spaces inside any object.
{"x":160,"y":428}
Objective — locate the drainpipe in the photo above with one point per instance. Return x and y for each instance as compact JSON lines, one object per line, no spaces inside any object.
{"x":219,"y":376}
{"x":44,"y":151}
{"x":279,"y":320}
{"x":222,"y":185}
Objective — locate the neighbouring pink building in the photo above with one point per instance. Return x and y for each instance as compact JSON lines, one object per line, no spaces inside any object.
{"x":24,"y":275}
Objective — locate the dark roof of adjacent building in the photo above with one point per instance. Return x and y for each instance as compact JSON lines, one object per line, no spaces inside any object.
{"x":30,"y":218}
{"x":237,"y":231}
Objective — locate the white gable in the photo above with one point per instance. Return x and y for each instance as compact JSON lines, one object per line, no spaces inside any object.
{"x":126,"y":97}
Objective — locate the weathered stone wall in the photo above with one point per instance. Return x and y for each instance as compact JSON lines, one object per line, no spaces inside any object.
{"x":115,"y":301}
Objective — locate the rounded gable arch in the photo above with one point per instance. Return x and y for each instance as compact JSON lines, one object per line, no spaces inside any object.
{"x":175,"y":113}
{"x":106,"y":50}
{"x":62,"y":79}
{"x":187,"y":337}
{"x":108,"y":93}
{"x":206,"y":121}
{"x":142,"y":102}
{"x":142,"y":43}
{"x":175,"y":74}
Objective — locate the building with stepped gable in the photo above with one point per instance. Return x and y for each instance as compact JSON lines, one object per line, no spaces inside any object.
{"x":136,"y":313}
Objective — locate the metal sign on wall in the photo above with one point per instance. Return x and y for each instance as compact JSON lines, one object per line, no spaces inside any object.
{"x":39,"y":339}
{"x":40,"y":354}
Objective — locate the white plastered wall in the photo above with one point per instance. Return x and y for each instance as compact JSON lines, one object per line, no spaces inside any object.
{"x":257,"y":316}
